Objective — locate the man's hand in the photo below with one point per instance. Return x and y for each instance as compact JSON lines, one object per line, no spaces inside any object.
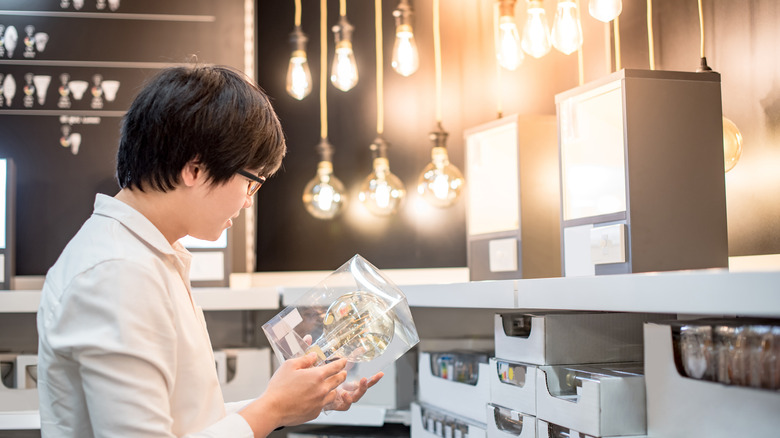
{"x":350,"y":393}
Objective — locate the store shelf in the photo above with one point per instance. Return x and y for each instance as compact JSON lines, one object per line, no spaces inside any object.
{"x":699,"y":292}
{"x":20,"y":420}
{"x":217,"y":298}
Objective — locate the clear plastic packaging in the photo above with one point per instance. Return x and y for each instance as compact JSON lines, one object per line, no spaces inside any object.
{"x":355,"y":313}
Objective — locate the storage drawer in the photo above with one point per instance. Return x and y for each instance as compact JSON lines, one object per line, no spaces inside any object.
{"x":546,"y":429}
{"x":684,"y":407}
{"x":18,"y":388}
{"x":513,"y":385}
{"x":507,"y":423}
{"x":570,"y":338}
{"x":464,"y":399}
{"x":431,"y":422}
{"x":598,"y":400}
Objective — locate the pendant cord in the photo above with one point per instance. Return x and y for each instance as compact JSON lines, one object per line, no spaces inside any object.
{"x":701,"y":31}
{"x":297,"y":13}
{"x":323,"y":68}
{"x":616,"y":27}
{"x":437,"y":58}
{"x":580,"y":61}
{"x":343,"y":7}
{"x":650,"y":41}
{"x":380,"y":115}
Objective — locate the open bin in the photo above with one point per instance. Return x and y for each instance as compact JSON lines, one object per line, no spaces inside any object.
{"x":431,"y":422}
{"x":513,"y":385}
{"x":455,"y":381}
{"x":599,"y":400}
{"x":355,"y":313}
{"x":507,"y":423}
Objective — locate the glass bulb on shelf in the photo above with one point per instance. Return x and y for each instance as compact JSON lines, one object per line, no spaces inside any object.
{"x":567,"y":30}
{"x":344,"y":74}
{"x":605,"y":10}
{"x":382,"y":192}
{"x":298,"y":83}
{"x":356,"y":326}
{"x":732,"y":144}
{"x":406,"y":60}
{"x":440,"y":183}
{"x":324,"y":195}
{"x":536,"y":34}
{"x":508,"y":45}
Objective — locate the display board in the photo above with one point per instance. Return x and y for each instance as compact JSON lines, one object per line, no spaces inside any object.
{"x":68,"y":72}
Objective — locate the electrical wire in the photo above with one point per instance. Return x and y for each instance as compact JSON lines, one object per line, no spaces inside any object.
{"x":323,"y":68}
{"x":616,"y":27}
{"x":701,"y":31}
{"x":580,"y":62}
{"x":499,"y":101}
{"x":650,"y":41}
{"x":380,"y":114}
{"x":437,"y":57}
{"x":343,"y":7}
{"x":297,"y":12}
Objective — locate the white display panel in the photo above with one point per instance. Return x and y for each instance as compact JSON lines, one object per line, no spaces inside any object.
{"x":592,"y":153}
{"x":491,"y":167}
{"x":3,"y":200}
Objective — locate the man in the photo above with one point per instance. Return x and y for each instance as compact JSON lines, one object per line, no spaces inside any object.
{"x":123,"y":349}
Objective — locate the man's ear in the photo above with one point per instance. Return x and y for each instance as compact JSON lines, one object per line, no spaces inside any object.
{"x":191,"y":173}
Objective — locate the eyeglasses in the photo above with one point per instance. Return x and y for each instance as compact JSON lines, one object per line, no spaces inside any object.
{"x":256,"y":181}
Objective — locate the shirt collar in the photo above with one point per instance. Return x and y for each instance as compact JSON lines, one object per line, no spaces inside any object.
{"x":136,"y":222}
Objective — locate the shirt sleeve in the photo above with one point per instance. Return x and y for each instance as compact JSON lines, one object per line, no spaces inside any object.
{"x":118,"y":325}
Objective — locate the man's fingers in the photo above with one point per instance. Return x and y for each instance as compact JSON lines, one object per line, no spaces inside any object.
{"x":375,"y":379}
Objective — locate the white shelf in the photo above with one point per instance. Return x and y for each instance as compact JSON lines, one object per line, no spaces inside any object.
{"x":217,"y":298}
{"x":700,"y":292}
{"x":364,"y":415}
{"x":20,"y":420}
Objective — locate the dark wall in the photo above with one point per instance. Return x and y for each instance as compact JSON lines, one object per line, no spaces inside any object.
{"x":741,"y":44}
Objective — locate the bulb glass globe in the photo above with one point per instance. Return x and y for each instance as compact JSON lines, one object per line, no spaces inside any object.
{"x":509,"y":54}
{"x":357,"y":326}
{"x":324,"y":196}
{"x":406,"y":59}
{"x":382,"y":192}
{"x":732,"y":144}
{"x":536,"y":34}
{"x":440,"y":183}
{"x":605,"y":10}
{"x":298,"y":75}
{"x":567,"y":31}
{"x":344,"y":74}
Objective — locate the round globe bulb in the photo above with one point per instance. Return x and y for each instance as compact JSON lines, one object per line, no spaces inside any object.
{"x":381,"y":191}
{"x":732,"y":144}
{"x":324,"y":196}
{"x":440,"y":183}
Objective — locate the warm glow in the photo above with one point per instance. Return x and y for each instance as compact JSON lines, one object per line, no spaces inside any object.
{"x":509,"y":54}
{"x":324,"y":195}
{"x":732,"y":144}
{"x":406,"y":59}
{"x":344,"y":74}
{"x":567,"y":31}
{"x":536,"y":34}
{"x":382,"y":192}
{"x":605,"y":10}
{"x":440,"y":183}
{"x":298,"y":76}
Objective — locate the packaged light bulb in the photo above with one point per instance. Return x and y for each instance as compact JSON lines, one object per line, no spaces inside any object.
{"x":355,"y":313}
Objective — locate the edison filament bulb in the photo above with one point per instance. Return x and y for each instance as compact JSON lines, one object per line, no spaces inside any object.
{"x":508,"y":41}
{"x":324,"y":196}
{"x":298,"y":83}
{"x":605,"y":10}
{"x":567,"y":31}
{"x":406,"y":58}
{"x":440,"y":183}
{"x":344,"y":74}
{"x":382,"y":192}
{"x":732,"y":144}
{"x":536,"y":34}
{"x":357,"y":326}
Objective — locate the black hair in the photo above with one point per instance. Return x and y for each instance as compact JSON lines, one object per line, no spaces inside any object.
{"x":213,"y":114}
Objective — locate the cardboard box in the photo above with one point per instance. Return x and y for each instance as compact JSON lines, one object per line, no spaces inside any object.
{"x":594,"y":400}
{"x":546,"y":429}
{"x":679,"y":406}
{"x":431,"y":422}
{"x":513,"y":385}
{"x":462,"y":399}
{"x":508,"y":423}
{"x":573,"y":337}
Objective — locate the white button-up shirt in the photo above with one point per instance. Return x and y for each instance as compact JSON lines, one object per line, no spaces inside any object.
{"x":123,"y":350}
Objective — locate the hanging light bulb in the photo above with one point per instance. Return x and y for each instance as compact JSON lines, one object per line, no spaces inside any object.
{"x":406,"y":59}
{"x":381,"y":192}
{"x":508,"y":41}
{"x":440,"y":183}
{"x":298,"y":72}
{"x":605,"y":10}
{"x":344,"y":73}
{"x":732,"y":144}
{"x":536,"y":34}
{"x":567,"y":31}
{"x":324,"y":196}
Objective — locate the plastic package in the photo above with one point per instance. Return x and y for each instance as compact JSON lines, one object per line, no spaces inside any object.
{"x":355,"y":313}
